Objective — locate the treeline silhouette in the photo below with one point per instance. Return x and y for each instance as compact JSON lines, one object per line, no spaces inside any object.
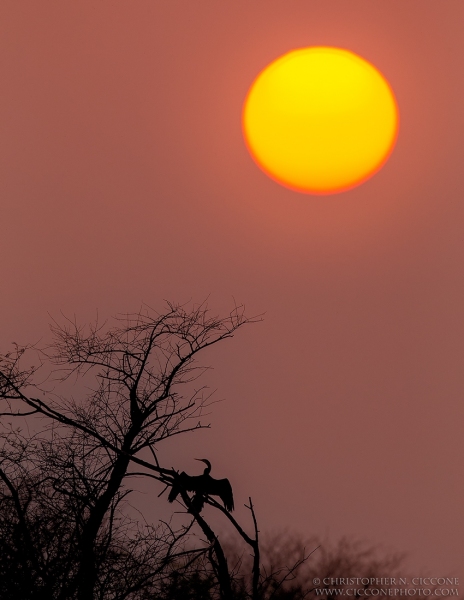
{"x":82,"y":420}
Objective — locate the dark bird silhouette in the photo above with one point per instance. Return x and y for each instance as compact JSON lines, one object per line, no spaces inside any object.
{"x":202,"y":486}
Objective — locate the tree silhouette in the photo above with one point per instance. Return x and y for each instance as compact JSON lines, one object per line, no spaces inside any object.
{"x":88,"y":418}
{"x":64,"y":485}
{"x":290,"y":567}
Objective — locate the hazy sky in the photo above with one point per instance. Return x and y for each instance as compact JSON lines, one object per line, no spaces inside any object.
{"x":124,"y":178}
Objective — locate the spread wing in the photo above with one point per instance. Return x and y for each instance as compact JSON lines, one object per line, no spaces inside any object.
{"x":223,"y":489}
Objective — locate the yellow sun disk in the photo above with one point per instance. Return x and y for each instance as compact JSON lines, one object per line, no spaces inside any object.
{"x":320,"y":120}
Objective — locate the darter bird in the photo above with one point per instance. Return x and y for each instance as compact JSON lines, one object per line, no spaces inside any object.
{"x":203,"y":486}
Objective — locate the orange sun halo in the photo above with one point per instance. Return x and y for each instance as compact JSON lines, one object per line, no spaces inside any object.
{"x":320,"y":120}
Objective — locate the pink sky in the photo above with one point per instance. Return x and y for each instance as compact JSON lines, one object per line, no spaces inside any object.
{"x":125,"y":179}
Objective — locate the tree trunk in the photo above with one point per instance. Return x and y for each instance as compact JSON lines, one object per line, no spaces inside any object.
{"x":87,"y":574}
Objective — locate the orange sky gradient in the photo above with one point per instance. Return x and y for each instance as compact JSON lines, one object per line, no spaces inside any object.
{"x":125,"y":179}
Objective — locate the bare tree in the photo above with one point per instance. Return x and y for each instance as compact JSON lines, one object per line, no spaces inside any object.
{"x":77,"y":428}
{"x":295,"y":568}
{"x":140,"y":377}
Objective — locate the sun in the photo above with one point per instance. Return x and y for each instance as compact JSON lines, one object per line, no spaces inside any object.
{"x":320,"y":120}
